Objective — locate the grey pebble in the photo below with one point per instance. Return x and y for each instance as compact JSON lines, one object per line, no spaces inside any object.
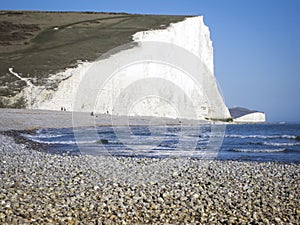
{"x":41,"y":188}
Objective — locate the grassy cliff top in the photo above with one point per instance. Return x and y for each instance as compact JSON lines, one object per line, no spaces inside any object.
{"x":39,"y":43}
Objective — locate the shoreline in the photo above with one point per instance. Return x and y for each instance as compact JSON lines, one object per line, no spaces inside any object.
{"x":15,"y":122}
{"x":17,"y":137}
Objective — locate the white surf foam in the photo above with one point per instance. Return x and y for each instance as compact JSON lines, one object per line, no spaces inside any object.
{"x":261,"y":136}
{"x":63,"y":142}
{"x":281,"y":144}
{"x":259,"y":150}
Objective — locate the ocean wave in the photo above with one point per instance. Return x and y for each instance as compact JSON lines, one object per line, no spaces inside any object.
{"x":43,"y":136}
{"x":281,"y":144}
{"x":49,"y":135}
{"x":274,"y":143}
{"x":259,"y":150}
{"x":71,"y":142}
{"x":263,"y":136}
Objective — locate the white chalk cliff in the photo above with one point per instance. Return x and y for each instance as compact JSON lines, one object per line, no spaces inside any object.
{"x":122,"y":85}
{"x":257,"y":117}
{"x":244,"y":115}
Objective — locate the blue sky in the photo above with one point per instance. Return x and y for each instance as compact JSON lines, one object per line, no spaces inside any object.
{"x":256,"y":44}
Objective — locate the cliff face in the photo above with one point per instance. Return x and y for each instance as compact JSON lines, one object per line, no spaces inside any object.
{"x":39,"y":45}
{"x":191,"y":34}
{"x":150,"y":87}
{"x":194,"y":36}
{"x":243,"y":115}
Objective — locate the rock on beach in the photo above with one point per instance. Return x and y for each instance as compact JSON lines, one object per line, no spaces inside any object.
{"x":42,"y":188}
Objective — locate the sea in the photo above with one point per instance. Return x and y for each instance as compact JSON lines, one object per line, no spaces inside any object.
{"x":269,"y":142}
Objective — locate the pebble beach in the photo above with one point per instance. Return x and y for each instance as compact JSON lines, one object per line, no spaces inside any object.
{"x":37,"y":187}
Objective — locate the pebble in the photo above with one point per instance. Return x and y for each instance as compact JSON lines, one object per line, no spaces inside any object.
{"x":41,"y":188}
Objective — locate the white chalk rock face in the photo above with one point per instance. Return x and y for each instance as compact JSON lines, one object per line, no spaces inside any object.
{"x":123,"y":84}
{"x":257,"y":117}
{"x":244,"y":115}
{"x":191,"y":34}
